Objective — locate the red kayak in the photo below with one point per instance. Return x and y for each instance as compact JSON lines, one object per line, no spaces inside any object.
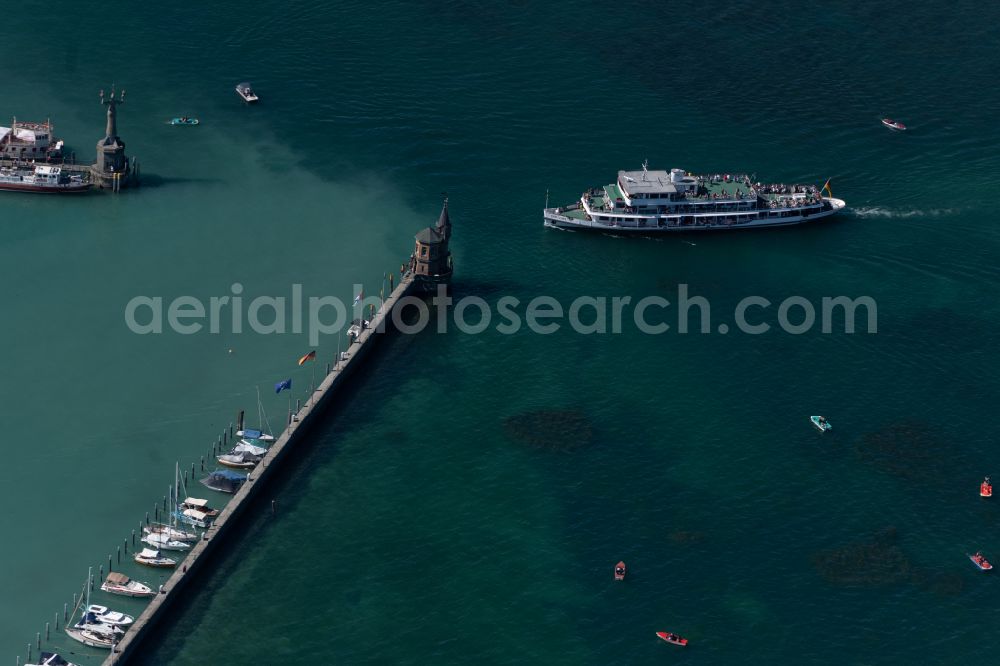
{"x":981,"y":562}
{"x":672,"y":638}
{"x":986,"y":488}
{"x":620,"y":571}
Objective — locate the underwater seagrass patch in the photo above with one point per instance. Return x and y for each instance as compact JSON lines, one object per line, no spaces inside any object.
{"x":551,"y":429}
{"x":878,"y":561}
{"x":908,"y":449}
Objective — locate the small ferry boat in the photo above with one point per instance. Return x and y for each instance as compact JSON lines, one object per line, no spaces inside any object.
{"x":620,"y":571}
{"x":981,"y":562}
{"x":821,"y":423}
{"x":184,"y":120}
{"x":51,"y":659}
{"x":671,"y":638}
{"x":43,"y":179}
{"x":646,"y":202}
{"x":29,"y":141}
{"x":152,"y":558}
{"x":893,"y":124}
{"x":245,"y":90}
{"x":986,"y":488}
{"x":119,"y":583}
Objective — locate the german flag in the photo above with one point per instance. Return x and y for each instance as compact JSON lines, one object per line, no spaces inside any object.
{"x":311,"y":356}
{"x":826,"y":188}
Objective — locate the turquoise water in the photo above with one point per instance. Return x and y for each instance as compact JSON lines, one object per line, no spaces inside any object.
{"x":419,"y":527}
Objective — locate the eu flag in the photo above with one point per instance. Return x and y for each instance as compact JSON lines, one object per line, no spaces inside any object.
{"x":281,"y":386}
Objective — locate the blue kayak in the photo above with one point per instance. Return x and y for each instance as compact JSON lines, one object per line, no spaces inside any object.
{"x":184,"y":121}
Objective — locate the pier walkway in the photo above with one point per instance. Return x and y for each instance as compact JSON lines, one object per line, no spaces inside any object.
{"x":197,"y":557}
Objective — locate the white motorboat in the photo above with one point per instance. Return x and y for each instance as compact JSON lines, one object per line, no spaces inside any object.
{"x":106,"y":616}
{"x":152,"y":558}
{"x":119,"y":583}
{"x":194,"y":517}
{"x":245,"y":91}
{"x":243,"y":456}
{"x":199,"y":505}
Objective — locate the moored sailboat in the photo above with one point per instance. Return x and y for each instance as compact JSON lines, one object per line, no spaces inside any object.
{"x":153,"y":558}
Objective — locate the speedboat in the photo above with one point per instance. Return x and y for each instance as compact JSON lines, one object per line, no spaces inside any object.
{"x":119,"y":583}
{"x":224,"y":480}
{"x":152,"y":558}
{"x":184,"y":120}
{"x":620,"y":571}
{"x":245,"y":91}
{"x":821,"y":423}
{"x":105,"y":616}
{"x":164,"y":542}
{"x":893,"y":124}
{"x":986,"y":488}
{"x":671,"y":638}
{"x":170,"y":532}
{"x":981,"y":562}
{"x":51,"y":659}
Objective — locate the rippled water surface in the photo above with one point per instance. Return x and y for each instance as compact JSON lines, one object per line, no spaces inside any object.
{"x":469,"y":496}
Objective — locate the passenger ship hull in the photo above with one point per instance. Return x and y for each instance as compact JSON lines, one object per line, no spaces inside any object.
{"x":69,"y":188}
{"x":655,"y":224}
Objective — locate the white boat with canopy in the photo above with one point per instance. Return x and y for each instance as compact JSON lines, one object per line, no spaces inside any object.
{"x":119,"y":583}
{"x":106,"y":616}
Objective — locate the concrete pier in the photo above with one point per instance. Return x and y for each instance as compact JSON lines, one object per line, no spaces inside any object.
{"x":293,"y":435}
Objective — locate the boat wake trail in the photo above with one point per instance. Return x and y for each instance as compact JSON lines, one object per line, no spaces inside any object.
{"x":878,"y":211}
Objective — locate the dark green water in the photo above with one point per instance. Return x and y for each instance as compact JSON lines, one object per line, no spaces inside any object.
{"x":418,"y":528}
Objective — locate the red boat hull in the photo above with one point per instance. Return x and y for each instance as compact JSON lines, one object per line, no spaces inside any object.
{"x":620,"y":567}
{"x":673,"y":639}
{"x":985,"y":490}
{"x":982,"y":566}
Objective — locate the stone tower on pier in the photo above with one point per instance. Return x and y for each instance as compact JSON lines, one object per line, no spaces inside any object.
{"x":112,"y":169}
{"x":431,"y":261}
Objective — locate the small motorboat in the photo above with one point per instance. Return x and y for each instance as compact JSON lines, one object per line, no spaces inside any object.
{"x":195,"y":518}
{"x":119,"y":583}
{"x":620,"y":571}
{"x":162,"y":541}
{"x":245,"y":91}
{"x":893,"y":124}
{"x":152,"y":558}
{"x":199,"y":505}
{"x":184,"y":120}
{"x":105,"y":616}
{"x":821,"y":423}
{"x":981,"y":562}
{"x":671,"y":638}
{"x":986,"y":488}
{"x":51,"y":659}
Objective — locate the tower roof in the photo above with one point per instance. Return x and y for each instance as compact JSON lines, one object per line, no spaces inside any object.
{"x":429,"y":236}
{"x":443,"y":220}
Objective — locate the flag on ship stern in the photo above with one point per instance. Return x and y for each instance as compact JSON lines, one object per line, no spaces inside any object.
{"x":311,"y":356}
{"x":281,"y":386}
{"x":826,"y":187}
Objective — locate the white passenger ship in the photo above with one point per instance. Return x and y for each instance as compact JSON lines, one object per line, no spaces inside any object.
{"x":660,"y":201}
